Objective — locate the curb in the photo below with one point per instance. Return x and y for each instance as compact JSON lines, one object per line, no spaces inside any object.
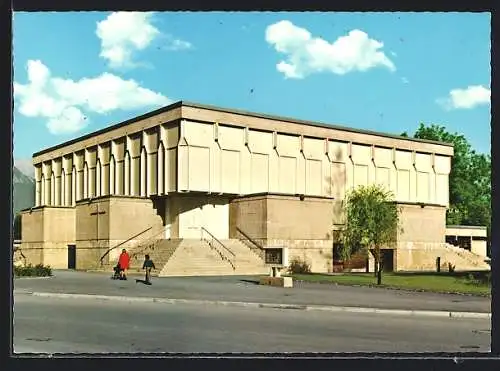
{"x":428,"y":313}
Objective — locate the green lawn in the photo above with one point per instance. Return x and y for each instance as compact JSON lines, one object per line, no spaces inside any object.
{"x":411,"y":281}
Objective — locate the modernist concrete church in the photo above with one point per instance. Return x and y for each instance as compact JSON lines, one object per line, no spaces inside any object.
{"x":190,"y":174}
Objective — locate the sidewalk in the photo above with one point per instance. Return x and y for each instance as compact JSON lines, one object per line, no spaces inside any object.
{"x":234,"y":289}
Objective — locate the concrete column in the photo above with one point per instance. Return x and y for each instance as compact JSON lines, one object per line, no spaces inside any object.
{"x":98,"y":181}
{"x":134,"y":176}
{"x":112,"y":177}
{"x":73,"y":187}
{"x":38,"y":199}
{"x":47,"y":191}
{"x":91,"y":181}
{"x":161,"y":169}
{"x":127,"y":174}
{"x":85,"y":180}
{"x":143,"y":174}
{"x":57,"y":171}
{"x":63,"y":188}
{"x":38,"y":186}
{"x":68,"y":191}
{"x":42,"y":191}
{"x":52,"y":189}
{"x":57,"y":190}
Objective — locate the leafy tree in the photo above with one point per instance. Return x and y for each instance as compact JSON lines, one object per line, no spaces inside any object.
{"x":470,"y":178}
{"x":372,"y":219}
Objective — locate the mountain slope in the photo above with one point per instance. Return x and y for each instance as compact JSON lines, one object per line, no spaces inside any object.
{"x":23,"y":192}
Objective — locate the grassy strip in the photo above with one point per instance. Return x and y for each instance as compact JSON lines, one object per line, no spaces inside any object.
{"x":444,"y":283}
{"x":33,"y":271}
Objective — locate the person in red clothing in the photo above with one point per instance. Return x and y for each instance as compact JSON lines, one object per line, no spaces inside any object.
{"x":124,"y":264}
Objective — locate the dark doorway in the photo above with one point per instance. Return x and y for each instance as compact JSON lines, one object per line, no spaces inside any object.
{"x":387,"y":257}
{"x":71,"y":256}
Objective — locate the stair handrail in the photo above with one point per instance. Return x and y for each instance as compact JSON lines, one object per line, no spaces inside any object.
{"x":217,"y":240}
{"x":211,"y":244}
{"x":152,"y":239}
{"x":123,"y":242}
{"x":261,"y":249}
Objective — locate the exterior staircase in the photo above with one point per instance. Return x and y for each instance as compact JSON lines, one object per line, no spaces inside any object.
{"x":247,"y":262}
{"x":194,"y":257}
{"x":159,"y":251}
{"x":464,"y":259}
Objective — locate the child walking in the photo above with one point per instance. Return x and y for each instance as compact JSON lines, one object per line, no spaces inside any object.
{"x":148,"y":265}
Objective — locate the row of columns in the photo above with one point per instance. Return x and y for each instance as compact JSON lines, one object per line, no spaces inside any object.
{"x":131,"y":176}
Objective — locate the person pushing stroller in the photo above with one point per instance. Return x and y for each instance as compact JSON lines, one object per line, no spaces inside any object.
{"x":122,"y":266}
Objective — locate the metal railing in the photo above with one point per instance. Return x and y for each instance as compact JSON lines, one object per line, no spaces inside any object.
{"x":122,"y":243}
{"x":148,"y":245}
{"x":257,"y":247}
{"x":213,"y":242}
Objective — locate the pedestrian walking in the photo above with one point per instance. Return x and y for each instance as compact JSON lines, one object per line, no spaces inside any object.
{"x":148,"y":265}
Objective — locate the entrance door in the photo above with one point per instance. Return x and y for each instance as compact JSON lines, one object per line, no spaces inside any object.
{"x":387,"y":256}
{"x":71,"y":256}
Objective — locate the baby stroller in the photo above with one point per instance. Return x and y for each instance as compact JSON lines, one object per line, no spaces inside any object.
{"x":116,"y":273}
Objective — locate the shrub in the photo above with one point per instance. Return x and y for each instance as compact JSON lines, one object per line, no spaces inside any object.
{"x":479,"y":278}
{"x":298,"y":266}
{"x":38,"y":270}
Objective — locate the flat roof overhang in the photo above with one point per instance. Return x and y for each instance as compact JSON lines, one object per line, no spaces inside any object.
{"x":177,"y":115}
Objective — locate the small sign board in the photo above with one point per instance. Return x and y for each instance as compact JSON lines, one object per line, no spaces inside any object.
{"x":274,"y":256}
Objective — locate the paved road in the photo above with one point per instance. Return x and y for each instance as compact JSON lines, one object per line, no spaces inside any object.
{"x":82,"y":325}
{"x":239,"y":289}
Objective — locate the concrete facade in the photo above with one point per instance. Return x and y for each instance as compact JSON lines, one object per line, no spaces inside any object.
{"x":188,"y":166}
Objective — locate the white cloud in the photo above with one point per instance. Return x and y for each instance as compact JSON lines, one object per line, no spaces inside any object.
{"x":178,"y":44}
{"x":468,"y":98}
{"x":123,"y":33}
{"x":25,"y":166}
{"x":63,"y":101}
{"x":404,"y":80}
{"x":306,"y":55}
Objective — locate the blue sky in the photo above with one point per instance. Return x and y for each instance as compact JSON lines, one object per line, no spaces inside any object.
{"x":76,"y":73}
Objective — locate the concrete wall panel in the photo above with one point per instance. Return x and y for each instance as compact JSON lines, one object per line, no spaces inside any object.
{"x":338,"y":179}
{"x":288,"y":175}
{"x":442,"y":164}
{"x":403,"y":185}
{"x":422,"y":224}
{"x":231,"y":138}
{"x":314,"y":149}
{"x":361,"y":155}
{"x":230,"y":171}
{"x":288,"y":145}
{"x":360,"y":175}
{"x":260,"y":172}
{"x":199,"y":168}
{"x":337,"y":151}
{"x":198,"y":134}
{"x":314,"y":177}
{"x":260,"y":142}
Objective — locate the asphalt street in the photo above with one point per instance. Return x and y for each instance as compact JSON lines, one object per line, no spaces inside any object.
{"x":240,"y":289}
{"x":48,"y":325}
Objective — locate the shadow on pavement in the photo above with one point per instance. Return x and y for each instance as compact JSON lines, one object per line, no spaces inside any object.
{"x":255,"y":282}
